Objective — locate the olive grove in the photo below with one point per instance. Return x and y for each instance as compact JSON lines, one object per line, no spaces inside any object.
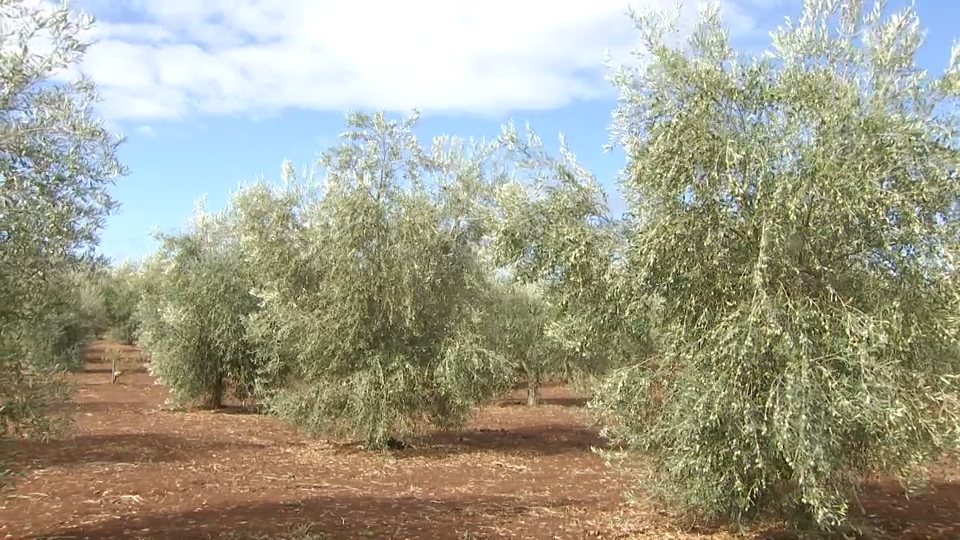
{"x":359,"y":305}
{"x":774,"y":318}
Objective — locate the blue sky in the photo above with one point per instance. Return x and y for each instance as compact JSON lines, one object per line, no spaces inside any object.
{"x":214,"y":93}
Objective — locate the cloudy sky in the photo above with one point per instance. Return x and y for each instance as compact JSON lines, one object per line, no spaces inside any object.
{"x":212,"y":93}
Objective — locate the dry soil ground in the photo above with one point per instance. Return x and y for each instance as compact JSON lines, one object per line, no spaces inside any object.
{"x":132,"y":470}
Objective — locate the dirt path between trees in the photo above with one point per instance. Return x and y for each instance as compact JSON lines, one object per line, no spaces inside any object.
{"x":132,"y":470}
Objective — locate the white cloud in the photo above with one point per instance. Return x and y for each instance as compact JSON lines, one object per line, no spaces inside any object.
{"x":146,"y":131}
{"x":168,"y":59}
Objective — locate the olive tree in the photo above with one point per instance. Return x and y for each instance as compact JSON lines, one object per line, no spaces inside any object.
{"x":196,"y":296}
{"x":57,"y":163}
{"x":795,"y":216}
{"x":370,"y":323}
{"x":520,"y":318}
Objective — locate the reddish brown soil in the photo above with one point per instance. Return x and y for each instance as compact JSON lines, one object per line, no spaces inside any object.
{"x":132,"y":470}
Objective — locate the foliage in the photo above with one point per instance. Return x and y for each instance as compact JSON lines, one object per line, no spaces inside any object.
{"x":33,"y":405}
{"x":72,"y":322}
{"x":121,"y":288}
{"x":795,"y":216}
{"x":196,"y":295}
{"x":56,"y":165}
{"x":369,"y":323}
{"x":775,"y":317}
{"x":555,"y":234}
{"x":519,"y":318}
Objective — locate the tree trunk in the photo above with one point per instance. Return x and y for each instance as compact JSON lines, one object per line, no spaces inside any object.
{"x":215,"y":397}
{"x":533,"y":390}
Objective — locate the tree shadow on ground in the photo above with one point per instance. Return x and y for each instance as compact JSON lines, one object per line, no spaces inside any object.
{"x":104,"y":407}
{"x":933,"y":514}
{"x":125,"y":369}
{"x":564,"y":401}
{"x":22,"y":455}
{"x":892,"y":515}
{"x":530,"y":441}
{"x":344,"y":516}
{"x":242,"y":410}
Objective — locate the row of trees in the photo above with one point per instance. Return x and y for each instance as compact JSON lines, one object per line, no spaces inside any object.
{"x":775,"y":317}
{"x":367,"y":304}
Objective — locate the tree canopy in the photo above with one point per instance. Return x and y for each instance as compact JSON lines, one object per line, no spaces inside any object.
{"x":795,"y":219}
{"x":57,"y":163}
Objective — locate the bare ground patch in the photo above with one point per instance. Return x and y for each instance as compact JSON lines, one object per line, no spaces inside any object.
{"x":133,"y":470}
